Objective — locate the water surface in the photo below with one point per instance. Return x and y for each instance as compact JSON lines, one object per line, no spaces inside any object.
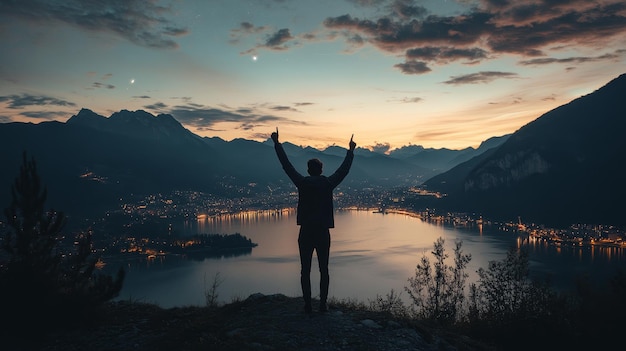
{"x":371,"y":254}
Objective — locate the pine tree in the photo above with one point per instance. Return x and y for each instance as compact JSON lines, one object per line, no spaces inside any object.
{"x":41,"y":283}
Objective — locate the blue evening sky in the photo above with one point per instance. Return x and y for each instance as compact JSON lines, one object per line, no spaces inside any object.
{"x":437,"y":73}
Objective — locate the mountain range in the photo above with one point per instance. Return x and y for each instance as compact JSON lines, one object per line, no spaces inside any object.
{"x":90,"y":162}
{"x":565,"y":166}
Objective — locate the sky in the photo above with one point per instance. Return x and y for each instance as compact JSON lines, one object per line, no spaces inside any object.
{"x":436,"y":73}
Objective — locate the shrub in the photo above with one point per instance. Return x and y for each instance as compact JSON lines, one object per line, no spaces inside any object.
{"x":505,"y":305}
{"x":437,"y":290}
{"x":211,"y":297}
{"x":391,"y":303}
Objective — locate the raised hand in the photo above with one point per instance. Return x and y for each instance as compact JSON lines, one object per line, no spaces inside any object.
{"x":352,"y":143}
{"x":275,"y":136}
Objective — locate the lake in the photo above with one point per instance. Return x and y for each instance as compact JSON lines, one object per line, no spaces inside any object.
{"x":371,"y":254}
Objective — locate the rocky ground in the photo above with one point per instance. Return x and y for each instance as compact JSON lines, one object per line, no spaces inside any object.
{"x":260,"y":322}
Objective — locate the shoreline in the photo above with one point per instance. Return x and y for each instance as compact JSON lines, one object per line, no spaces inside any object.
{"x":519,"y":228}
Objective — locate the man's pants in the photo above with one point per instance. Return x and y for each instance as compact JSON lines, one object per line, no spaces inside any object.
{"x":318,"y":239}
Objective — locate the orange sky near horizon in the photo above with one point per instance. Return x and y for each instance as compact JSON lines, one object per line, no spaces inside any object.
{"x":392,"y":72}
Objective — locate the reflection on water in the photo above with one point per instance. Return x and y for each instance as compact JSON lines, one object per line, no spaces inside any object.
{"x":226,"y":223}
{"x":563,"y":265}
{"x":371,"y":254}
{"x":583,"y":252}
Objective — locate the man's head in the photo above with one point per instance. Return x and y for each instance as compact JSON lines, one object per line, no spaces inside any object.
{"x":314,"y":167}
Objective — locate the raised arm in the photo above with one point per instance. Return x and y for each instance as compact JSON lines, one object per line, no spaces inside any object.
{"x":352,"y":144}
{"x":295,"y":177}
{"x":343,"y":170}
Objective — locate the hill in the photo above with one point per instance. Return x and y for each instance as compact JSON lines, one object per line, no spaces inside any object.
{"x":89,"y":167}
{"x":260,"y":322}
{"x":564,"y":167}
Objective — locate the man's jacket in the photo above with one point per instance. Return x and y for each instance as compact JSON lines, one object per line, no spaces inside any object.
{"x":315,"y":193}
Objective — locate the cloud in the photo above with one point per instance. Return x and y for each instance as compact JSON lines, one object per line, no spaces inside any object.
{"x":446,"y":54}
{"x":411,"y":100}
{"x":381,"y":148}
{"x":26,"y":100}
{"x":527,"y":29}
{"x":244,"y":110}
{"x":101,"y":85}
{"x":367,"y":2}
{"x":248,"y":126}
{"x":156,"y":106}
{"x":174,"y":31}
{"x":485,"y":29}
{"x":413,"y":67}
{"x":206,"y":118}
{"x":284,"y":108}
{"x":244,"y":29}
{"x":247,"y":27}
{"x":266,"y":135}
{"x":5,"y":119}
{"x":48,"y":115}
{"x":183,"y":98}
{"x":396,"y":35}
{"x":480,"y":77}
{"x":138,"y":21}
{"x":406,"y":9}
{"x":277,"y":40}
{"x":578,"y":59}
{"x":355,"y":41}
{"x":141,"y":97}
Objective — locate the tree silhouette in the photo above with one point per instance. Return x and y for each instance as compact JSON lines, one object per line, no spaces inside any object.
{"x":43,"y":281}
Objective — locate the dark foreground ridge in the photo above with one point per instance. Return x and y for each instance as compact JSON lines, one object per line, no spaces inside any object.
{"x":260,"y":322}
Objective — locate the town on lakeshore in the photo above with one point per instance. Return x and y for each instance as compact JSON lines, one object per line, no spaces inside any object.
{"x":144,"y":226}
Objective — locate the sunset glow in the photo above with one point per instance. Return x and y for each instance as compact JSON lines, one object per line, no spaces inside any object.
{"x":393,"y":72}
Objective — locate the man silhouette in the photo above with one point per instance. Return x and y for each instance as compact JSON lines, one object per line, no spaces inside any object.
{"x":315,"y":215}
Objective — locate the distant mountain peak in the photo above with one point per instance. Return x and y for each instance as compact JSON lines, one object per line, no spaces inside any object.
{"x":127,"y":116}
{"x":85,"y":113}
{"x":137,"y":123}
{"x":88,"y":118}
